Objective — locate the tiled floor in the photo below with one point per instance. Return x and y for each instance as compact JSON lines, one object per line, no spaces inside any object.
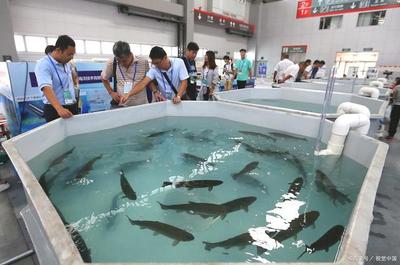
{"x":384,"y":235}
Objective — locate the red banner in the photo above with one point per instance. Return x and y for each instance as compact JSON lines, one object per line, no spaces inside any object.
{"x":315,"y":8}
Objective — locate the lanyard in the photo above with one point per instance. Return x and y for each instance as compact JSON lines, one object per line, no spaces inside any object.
{"x":134,"y":73}
{"x":162,"y":77}
{"x":55,"y":68}
{"x":208,"y":70}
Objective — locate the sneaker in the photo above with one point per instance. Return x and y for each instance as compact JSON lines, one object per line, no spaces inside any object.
{"x":4,"y":186}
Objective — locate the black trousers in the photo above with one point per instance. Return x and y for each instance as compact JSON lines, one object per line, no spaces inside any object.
{"x":51,"y":114}
{"x":241,"y":84}
{"x":394,"y":119}
{"x":191,"y":91}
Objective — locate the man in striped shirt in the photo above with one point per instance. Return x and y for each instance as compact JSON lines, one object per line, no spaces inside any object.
{"x":129,"y":70}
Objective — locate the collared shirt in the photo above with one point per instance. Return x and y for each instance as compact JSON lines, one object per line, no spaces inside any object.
{"x":46,"y":75}
{"x":243,"y":68}
{"x":292,"y":71}
{"x":281,"y":68}
{"x":126,"y":74}
{"x":176,"y":73}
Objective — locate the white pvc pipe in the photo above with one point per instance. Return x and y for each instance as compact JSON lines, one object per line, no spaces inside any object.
{"x":383,"y":80}
{"x":353,"y":108}
{"x":356,"y":122}
{"x":377,"y":84}
{"x":369,"y":91}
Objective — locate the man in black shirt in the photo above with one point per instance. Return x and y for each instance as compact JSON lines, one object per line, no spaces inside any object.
{"x":191,"y":53}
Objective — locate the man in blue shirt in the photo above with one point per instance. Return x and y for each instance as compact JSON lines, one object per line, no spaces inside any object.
{"x":54,"y":77}
{"x":171,"y":76}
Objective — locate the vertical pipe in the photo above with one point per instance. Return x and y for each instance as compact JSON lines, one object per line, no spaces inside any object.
{"x":327,"y":101}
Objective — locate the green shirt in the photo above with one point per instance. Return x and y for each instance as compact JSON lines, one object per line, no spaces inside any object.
{"x":243,"y":68}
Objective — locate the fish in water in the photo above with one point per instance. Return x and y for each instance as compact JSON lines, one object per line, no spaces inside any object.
{"x":127,"y":166}
{"x":269,"y":137}
{"x":287,"y":136}
{"x":239,"y":204}
{"x":61,"y":158}
{"x":126,"y":187}
{"x":240,"y":241}
{"x":329,"y":239}
{"x":114,"y":205}
{"x":158,"y":134}
{"x":296,"y":186}
{"x":167,"y":230}
{"x":304,"y":220}
{"x":77,"y":238}
{"x":249,"y":180}
{"x":87,"y":167}
{"x":299,"y":165}
{"x":193,"y":184}
{"x":43,"y":182}
{"x":198,"y":138}
{"x":194,"y":158}
{"x":268,"y":152}
{"x":205,"y":210}
{"x":326,"y":185}
{"x":247,"y":169}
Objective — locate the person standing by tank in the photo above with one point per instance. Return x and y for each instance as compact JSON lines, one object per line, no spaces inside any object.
{"x":209,"y":77}
{"x":128,"y":69}
{"x":54,"y":77}
{"x":190,"y":63}
{"x":243,"y":69}
{"x":228,"y":73}
{"x":171,"y":76}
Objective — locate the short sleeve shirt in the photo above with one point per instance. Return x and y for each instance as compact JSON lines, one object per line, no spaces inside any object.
{"x":243,"y":68}
{"x":176,"y":73}
{"x":58,"y":76}
{"x":141,"y":66}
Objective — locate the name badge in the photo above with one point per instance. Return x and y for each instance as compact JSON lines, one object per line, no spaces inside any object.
{"x":68,"y":98}
{"x":127,"y":87}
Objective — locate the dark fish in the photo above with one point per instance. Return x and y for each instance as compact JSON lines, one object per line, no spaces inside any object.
{"x":192,"y":184}
{"x":61,"y":158}
{"x":80,"y":243}
{"x":127,"y":166}
{"x":296,"y":225}
{"x":268,"y":152}
{"x":269,"y":137}
{"x":329,"y":239}
{"x":247,"y":169}
{"x":43,"y":182}
{"x":205,"y":210}
{"x":87,"y":167}
{"x":157,"y":134}
{"x":239,"y":204}
{"x":114,"y":205}
{"x":198,"y":138}
{"x":240,"y":241}
{"x":194,"y":158}
{"x":288,"y":136}
{"x":326,"y":185}
{"x":126,"y":187}
{"x":167,"y":230}
{"x":299,"y":165}
{"x":296,"y":186}
{"x":249,"y":180}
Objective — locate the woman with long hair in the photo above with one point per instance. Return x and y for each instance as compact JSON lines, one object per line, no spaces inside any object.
{"x":209,"y":76}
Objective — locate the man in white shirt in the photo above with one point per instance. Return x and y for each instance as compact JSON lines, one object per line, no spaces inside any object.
{"x":293,"y":71}
{"x":322,"y":70}
{"x":281,"y":67}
